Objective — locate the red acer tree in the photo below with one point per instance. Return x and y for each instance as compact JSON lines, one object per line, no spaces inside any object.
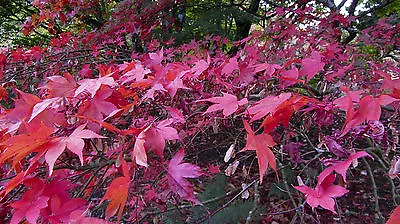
{"x":108,"y":119}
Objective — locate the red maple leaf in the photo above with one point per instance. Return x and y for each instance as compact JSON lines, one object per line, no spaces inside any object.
{"x":261,"y":143}
{"x":31,"y":203}
{"x":227,"y":103}
{"x":283,"y":113}
{"x":346,"y":102}
{"x":177,"y":172}
{"x":22,"y":108}
{"x":369,"y":109}
{"x":60,"y":204}
{"x":97,"y":108}
{"x":3,"y":93}
{"x":19,"y":146}
{"x":323,"y":193}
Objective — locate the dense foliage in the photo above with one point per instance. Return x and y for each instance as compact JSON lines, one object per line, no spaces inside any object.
{"x":124,"y":111}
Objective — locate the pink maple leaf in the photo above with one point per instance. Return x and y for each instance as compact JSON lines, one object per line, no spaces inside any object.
{"x":230,"y":66}
{"x":268,"y":68}
{"x":74,"y":143}
{"x":133,"y":71}
{"x":177,"y":172}
{"x":59,"y":86}
{"x":312,"y":65}
{"x":97,"y":107}
{"x":341,"y":167}
{"x":199,"y":68}
{"x":156,"y":136}
{"x":395,"y":216}
{"x":174,"y":85}
{"x":227,"y":103}
{"x":40,"y":107}
{"x":267,"y":105}
{"x":323,"y":193}
{"x":92,"y":85}
{"x":289,"y":77}
{"x":139,"y":152}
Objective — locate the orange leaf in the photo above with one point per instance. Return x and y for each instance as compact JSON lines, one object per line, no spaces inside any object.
{"x":117,"y":193}
{"x":3,"y":93}
{"x":19,"y":146}
{"x":261,"y":143}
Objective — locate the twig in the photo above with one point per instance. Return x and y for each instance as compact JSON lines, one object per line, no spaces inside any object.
{"x":255,"y":203}
{"x":339,"y":211}
{"x":393,"y":187}
{"x":375,"y":191}
{"x":369,"y":150}
{"x":204,"y":218}
{"x":291,"y":197}
{"x":79,"y":194}
{"x":190,"y":205}
{"x":283,"y":212}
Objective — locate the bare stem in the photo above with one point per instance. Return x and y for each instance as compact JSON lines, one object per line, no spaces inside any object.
{"x":201,"y":220}
{"x":374,"y":188}
{"x":255,"y":203}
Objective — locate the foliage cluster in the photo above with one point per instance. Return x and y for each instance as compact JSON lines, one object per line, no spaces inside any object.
{"x":96,"y":121}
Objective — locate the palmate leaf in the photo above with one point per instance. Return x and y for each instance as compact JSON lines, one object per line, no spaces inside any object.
{"x":341,"y":167}
{"x":261,"y":144}
{"x":323,"y":193}
{"x":177,"y":174}
{"x":19,"y":146}
{"x":117,"y":192}
{"x":395,"y":216}
{"x":228,"y":103}
{"x":73,"y":143}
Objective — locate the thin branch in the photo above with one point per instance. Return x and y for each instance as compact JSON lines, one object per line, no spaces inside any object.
{"x":352,"y":7}
{"x":373,"y":9}
{"x":255,"y":204}
{"x":291,"y":196}
{"x":341,"y":4}
{"x":374,"y":188}
{"x":190,"y":205}
{"x":201,"y":220}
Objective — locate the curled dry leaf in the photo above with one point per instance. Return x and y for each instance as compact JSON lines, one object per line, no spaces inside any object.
{"x":230,"y":153}
{"x":394,"y":168}
{"x":231,"y":169}
{"x":246,"y":193}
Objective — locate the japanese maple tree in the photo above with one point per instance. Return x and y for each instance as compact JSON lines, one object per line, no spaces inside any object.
{"x":109,"y":118}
